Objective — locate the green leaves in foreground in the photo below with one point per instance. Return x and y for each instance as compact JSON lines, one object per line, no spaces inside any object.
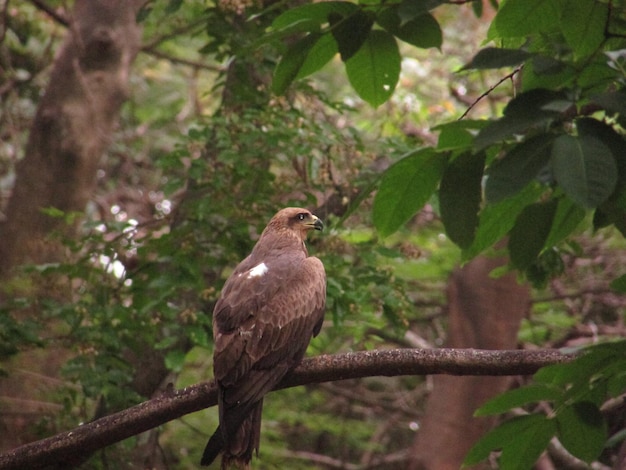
{"x":460,"y":197}
{"x":405,"y":187}
{"x":575,"y":392}
{"x":371,"y":55}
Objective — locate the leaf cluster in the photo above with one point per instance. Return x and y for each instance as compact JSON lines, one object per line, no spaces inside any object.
{"x":565,"y":401}
{"x":555,"y":155}
{"x":364,"y":35}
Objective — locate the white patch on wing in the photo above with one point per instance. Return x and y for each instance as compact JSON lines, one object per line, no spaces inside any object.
{"x":258,"y":271}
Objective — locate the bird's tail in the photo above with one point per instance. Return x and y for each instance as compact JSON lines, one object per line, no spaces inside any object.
{"x":238,"y":447}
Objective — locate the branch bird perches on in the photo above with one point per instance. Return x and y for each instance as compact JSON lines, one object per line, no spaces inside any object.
{"x":59,"y":451}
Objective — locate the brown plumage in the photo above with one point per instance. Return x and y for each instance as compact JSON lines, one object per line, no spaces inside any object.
{"x":270,"y":308}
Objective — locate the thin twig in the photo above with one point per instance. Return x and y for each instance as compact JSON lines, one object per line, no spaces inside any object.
{"x":51,"y":12}
{"x":491,"y":88}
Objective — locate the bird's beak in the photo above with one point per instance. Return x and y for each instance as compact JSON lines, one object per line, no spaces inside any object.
{"x":317,"y":223}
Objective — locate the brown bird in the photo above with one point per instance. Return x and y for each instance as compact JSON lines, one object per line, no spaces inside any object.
{"x":269,"y":309}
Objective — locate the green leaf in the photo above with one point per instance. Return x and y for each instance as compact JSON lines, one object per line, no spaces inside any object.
{"x":530,"y":232}
{"x":528,"y":110}
{"x":539,"y":103}
{"x":518,"y":167}
{"x":568,"y":216}
{"x":405,"y":187}
{"x":458,"y":134}
{"x":496,"y":220}
{"x":582,"y":430}
{"x":350,"y":32}
{"x":173,"y":6}
{"x":526,"y":435}
{"x":374,"y":70}
{"x":495,"y":58}
{"x":516,"y":18}
{"x":410,"y":9}
{"x":319,"y":55}
{"x":518,"y":397}
{"x":143,"y":13}
{"x":619,"y":284}
{"x":583,"y":23}
{"x":616,"y":384}
{"x":175,"y":360}
{"x":588,"y":364}
{"x":531,"y":442}
{"x":585,"y":168}
{"x":315,"y":13}
{"x":420,"y":31}
{"x":614,"y":102}
{"x":460,"y":196}
{"x":291,"y":63}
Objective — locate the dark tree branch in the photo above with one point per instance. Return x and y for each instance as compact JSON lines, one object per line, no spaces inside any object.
{"x":60,"y":450}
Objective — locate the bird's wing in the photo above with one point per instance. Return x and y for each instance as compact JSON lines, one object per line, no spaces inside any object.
{"x":263,"y":323}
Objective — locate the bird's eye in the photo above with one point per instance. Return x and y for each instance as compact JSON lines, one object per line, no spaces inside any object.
{"x":301,"y":216}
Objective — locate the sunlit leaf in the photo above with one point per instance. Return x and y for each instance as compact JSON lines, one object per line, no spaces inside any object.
{"x":292,"y":61}
{"x":458,"y":134}
{"x":583,"y":24}
{"x":496,"y":220}
{"x":405,"y":187}
{"x":324,"y":49}
{"x":522,"y":17}
{"x":374,"y":70}
{"x":568,"y":216}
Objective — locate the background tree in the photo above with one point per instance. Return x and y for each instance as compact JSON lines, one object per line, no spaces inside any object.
{"x":171,"y":216}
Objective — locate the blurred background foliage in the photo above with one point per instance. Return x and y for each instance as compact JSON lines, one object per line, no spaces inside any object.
{"x":203,"y":155}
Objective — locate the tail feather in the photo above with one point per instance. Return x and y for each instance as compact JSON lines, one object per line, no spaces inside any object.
{"x":213,"y":448}
{"x":238,"y":447}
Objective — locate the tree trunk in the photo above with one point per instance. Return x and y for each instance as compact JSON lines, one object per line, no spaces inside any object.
{"x":71,"y":130}
{"x":484,"y":313}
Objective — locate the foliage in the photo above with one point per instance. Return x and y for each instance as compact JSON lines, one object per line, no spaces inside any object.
{"x":562,"y":133}
{"x":556,"y":154}
{"x":174,"y":214}
{"x":576,"y":393}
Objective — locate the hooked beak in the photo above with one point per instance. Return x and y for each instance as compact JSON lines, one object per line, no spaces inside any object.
{"x":317,"y":223}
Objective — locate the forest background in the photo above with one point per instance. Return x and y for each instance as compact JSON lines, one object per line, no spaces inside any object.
{"x":474,"y":199}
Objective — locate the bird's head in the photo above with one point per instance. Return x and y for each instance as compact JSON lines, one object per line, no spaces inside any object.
{"x":295,"y":220}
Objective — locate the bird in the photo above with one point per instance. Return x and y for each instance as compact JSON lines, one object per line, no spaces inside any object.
{"x":270,"y":307}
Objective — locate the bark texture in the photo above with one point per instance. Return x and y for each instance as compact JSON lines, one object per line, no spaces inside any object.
{"x":484,"y":313}
{"x":71,"y":129}
{"x":70,"y":132}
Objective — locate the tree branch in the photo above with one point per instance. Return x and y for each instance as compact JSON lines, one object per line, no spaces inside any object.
{"x":60,"y":450}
